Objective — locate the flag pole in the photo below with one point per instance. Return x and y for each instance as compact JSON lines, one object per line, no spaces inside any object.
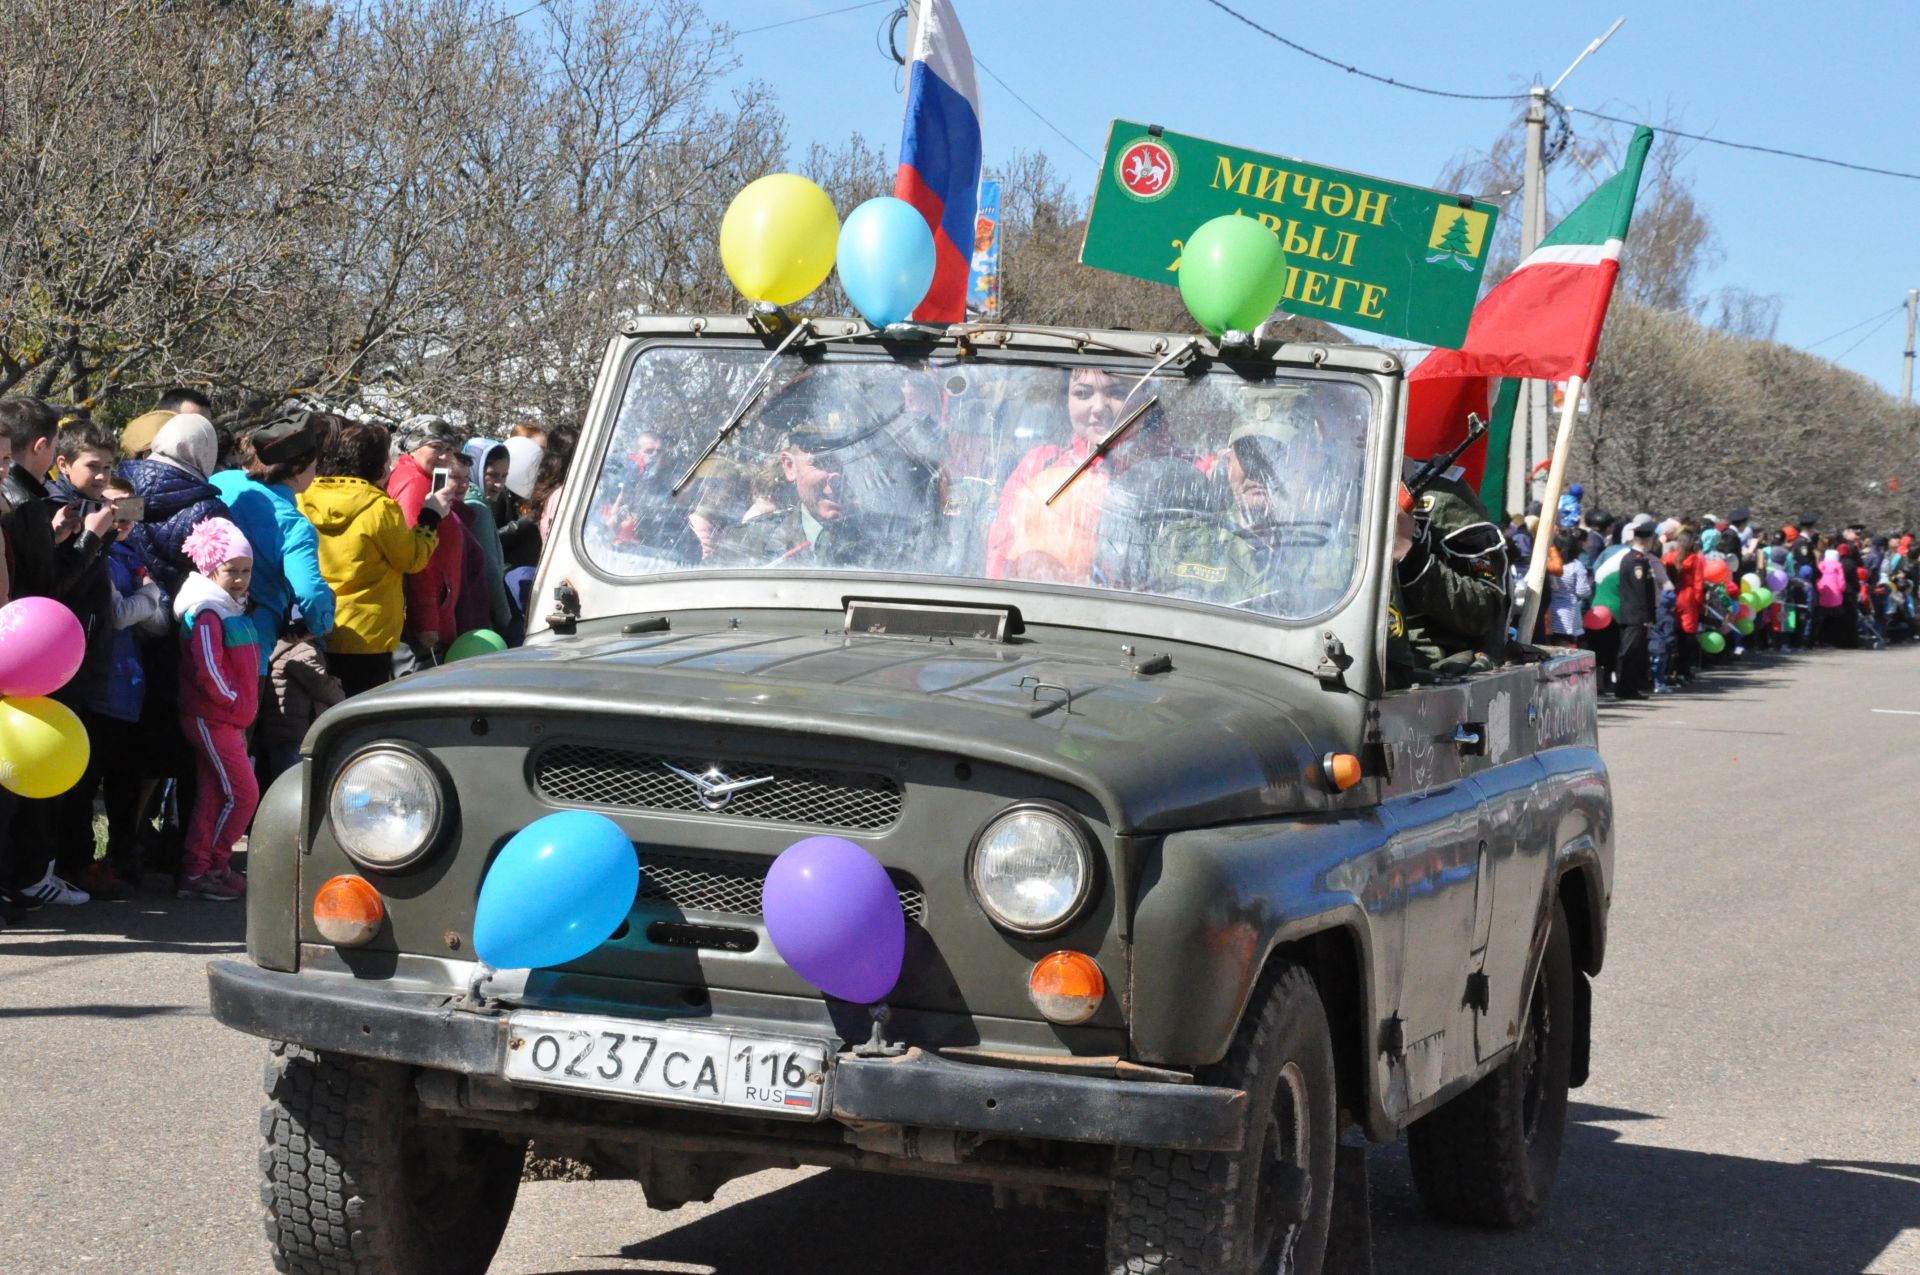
{"x":1549,"y":511}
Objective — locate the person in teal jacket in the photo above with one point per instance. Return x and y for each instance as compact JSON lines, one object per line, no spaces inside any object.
{"x":286,"y":548}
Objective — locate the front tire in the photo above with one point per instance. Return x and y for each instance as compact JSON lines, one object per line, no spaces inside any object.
{"x":1266,"y":1207}
{"x":354,"y":1184}
{"x":1489,"y":1157}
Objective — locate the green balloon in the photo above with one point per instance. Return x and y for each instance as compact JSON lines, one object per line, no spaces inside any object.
{"x":1712,"y":643}
{"x":478,"y":642}
{"x":1232,"y":273}
{"x":1743,"y":627}
{"x":1762,"y":598}
{"x":1793,"y":621}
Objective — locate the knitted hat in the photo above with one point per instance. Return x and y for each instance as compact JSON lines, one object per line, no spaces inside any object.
{"x":213,"y":542}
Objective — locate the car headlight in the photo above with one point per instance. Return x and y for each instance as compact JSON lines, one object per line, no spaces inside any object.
{"x":1031,"y":869}
{"x":386,"y":807}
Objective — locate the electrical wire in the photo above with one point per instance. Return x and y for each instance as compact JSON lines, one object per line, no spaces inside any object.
{"x":1764,"y":150}
{"x":1354,"y":70}
{"x":811,"y":17}
{"x":1034,"y":110}
{"x":1520,"y":97}
{"x":1852,"y":327}
{"x":1871,"y":333}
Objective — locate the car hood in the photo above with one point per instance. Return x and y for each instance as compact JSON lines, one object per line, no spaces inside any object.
{"x":1214,"y":739}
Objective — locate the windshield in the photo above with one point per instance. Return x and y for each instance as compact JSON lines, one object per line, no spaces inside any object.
{"x":1228,"y":489}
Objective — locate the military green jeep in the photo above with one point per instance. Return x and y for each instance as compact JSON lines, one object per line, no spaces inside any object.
{"x":1082,"y":635}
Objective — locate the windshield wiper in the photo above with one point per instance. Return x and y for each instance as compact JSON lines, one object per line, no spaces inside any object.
{"x":1112,"y":436}
{"x":748,"y":397}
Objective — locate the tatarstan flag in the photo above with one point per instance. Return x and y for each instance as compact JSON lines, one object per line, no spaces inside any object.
{"x":1541,"y":321}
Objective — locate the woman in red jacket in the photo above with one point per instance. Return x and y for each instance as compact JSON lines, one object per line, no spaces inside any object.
{"x":1687,"y":568}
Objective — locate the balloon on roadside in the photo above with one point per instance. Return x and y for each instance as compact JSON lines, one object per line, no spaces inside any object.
{"x":1776,"y":579}
{"x":1712,"y":643}
{"x":834,"y":916}
{"x":41,"y":646}
{"x":777,"y":238}
{"x":1743,"y":627}
{"x":1765,"y":598}
{"x":558,"y":889}
{"x":43,"y":747}
{"x":475,"y":642}
{"x":1716,"y":571}
{"x":1598,"y":618}
{"x":1232,"y":273}
{"x":886,"y":259}
{"x":1749,"y":582}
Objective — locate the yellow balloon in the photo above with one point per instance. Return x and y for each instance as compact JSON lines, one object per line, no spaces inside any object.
{"x":43,"y":747}
{"x":778,"y":237}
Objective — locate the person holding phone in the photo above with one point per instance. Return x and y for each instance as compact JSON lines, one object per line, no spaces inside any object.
{"x":424,"y":447}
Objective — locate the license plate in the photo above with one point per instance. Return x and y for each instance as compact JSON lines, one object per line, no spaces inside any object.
{"x":655,"y":1062}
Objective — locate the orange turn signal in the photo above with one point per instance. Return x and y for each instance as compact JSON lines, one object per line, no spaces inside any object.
{"x":1342,"y":770}
{"x":1067,"y":987}
{"x":347,"y":911}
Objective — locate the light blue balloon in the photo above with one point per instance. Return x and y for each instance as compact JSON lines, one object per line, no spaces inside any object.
{"x":558,"y":889}
{"x":885,"y":259}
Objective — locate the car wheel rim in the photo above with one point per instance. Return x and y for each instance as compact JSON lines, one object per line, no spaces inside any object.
{"x":1284,"y":1192}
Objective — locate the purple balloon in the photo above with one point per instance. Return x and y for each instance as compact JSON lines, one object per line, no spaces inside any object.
{"x":1776,"y":580}
{"x":834,"y":916}
{"x":41,"y":646}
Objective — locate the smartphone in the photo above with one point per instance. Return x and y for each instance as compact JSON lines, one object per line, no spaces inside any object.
{"x":130,"y":509}
{"x":440,"y":477}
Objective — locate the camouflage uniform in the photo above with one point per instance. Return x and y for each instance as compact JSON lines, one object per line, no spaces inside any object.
{"x":1450,"y":593}
{"x":1203,"y":559}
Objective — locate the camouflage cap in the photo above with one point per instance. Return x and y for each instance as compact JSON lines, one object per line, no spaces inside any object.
{"x":1275,"y":412}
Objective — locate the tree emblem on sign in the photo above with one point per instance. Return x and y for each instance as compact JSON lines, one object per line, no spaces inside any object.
{"x":1458,"y":236}
{"x":1146,"y":170}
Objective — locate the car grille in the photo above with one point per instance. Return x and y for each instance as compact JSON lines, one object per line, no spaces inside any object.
{"x":704,"y":885}
{"x":580,"y":774}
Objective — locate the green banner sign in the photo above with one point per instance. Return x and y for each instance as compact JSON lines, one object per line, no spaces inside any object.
{"x":1364,"y":253}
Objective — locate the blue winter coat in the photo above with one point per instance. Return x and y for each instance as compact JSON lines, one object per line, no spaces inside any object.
{"x":286,"y":558}
{"x":177,"y":502}
{"x":125,"y":692}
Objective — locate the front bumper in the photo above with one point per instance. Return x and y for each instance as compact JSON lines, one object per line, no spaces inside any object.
{"x":918,"y":1089}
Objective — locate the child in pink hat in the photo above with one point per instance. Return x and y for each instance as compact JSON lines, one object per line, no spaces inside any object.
{"x":219,"y":693}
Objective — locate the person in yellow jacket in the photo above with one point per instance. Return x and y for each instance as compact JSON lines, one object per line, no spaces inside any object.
{"x":366,"y":548}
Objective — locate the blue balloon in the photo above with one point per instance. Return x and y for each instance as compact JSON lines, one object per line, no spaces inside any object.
{"x":558,"y":889}
{"x":885,"y":259}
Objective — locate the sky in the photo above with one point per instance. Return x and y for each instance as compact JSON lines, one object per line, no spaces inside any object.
{"x":1834,"y":79}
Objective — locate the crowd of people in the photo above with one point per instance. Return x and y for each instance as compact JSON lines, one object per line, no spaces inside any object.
{"x":1690,"y":593}
{"x":230,"y":588}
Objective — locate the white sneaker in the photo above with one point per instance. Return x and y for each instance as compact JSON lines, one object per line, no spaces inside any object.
{"x":51,"y":889}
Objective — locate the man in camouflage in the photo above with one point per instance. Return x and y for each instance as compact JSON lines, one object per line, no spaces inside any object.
{"x":1450,"y":584}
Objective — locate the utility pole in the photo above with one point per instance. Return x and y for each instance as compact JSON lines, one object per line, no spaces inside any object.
{"x":1530,"y":430}
{"x":1906,"y":366}
{"x":1529,"y":445}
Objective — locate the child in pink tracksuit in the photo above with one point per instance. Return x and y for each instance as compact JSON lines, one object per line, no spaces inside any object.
{"x":219,"y":693}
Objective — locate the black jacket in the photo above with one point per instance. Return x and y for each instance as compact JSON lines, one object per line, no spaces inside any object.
{"x":1637,"y":589}
{"x":42,"y":569}
{"x":91,"y":600}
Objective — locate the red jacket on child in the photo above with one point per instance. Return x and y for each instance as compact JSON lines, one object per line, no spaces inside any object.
{"x":220,"y":674}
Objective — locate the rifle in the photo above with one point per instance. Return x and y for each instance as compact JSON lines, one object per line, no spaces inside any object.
{"x":1429,"y":473}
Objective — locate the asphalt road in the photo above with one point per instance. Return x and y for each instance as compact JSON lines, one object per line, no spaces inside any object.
{"x":1755,"y":1102}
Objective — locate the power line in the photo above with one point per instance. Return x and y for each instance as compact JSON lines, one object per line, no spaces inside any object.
{"x":811,"y":17}
{"x":1354,"y":70}
{"x":1871,"y":333}
{"x":1764,"y":150}
{"x":1853,"y":327}
{"x":1035,"y":111}
{"x":1516,"y":97}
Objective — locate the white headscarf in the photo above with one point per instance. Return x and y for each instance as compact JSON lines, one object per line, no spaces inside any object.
{"x":187,"y":442}
{"x":523,"y":466}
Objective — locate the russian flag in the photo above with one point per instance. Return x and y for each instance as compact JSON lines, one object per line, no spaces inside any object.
{"x":940,"y":154}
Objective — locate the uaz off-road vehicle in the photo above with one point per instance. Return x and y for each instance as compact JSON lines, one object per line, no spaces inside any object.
{"x":1190,"y":892}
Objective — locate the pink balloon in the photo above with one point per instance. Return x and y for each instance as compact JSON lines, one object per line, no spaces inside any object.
{"x":1598,"y":618}
{"x":41,"y":646}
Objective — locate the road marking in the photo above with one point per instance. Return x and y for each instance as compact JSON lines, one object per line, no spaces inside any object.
{"x":1897,"y":712}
